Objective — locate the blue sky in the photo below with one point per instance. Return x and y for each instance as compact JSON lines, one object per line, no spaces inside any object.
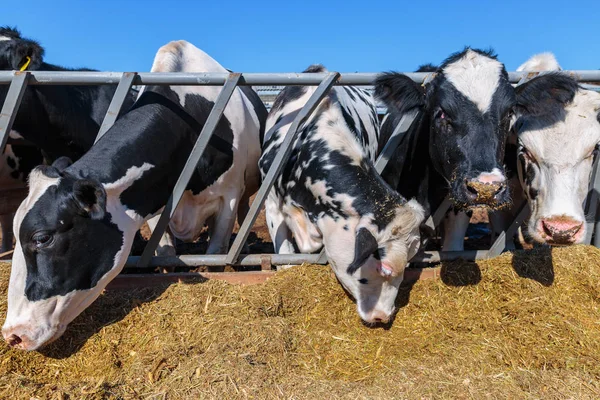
{"x":283,"y":36}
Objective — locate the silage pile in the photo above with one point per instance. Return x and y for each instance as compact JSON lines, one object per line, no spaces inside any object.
{"x":523,"y":326}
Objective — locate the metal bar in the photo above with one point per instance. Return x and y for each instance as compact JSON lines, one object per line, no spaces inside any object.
{"x":434,"y":219}
{"x":250,"y":79}
{"x":11,"y":104}
{"x":246,"y":260}
{"x":394,"y":141}
{"x":278,"y":163}
{"x":591,"y":204}
{"x":500,"y":243}
{"x":207,"y":131}
{"x":116,"y":104}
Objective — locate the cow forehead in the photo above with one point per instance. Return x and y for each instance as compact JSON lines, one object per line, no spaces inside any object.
{"x":476,"y":76}
{"x":38,"y":185}
{"x":569,"y":140}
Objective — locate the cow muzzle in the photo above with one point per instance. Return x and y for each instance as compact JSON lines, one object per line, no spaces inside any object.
{"x":561,"y":230}
{"x":24,"y":337}
{"x":488,"y":189}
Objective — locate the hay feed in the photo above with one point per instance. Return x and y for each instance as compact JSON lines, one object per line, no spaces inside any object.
{"x":518,"y":326}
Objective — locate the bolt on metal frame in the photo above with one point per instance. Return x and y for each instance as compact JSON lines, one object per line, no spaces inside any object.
{"x":324,"y":81}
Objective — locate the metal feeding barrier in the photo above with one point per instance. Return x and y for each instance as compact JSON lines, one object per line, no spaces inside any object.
{"x":324,"y":81}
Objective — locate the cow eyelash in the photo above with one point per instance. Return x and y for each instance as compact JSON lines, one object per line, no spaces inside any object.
{"x":42,"y":239}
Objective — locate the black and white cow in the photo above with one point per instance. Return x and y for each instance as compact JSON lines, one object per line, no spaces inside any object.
{"x":456,"y":145}
{"x":558,"y":130}
{"x":76,"y":227}
{"x":329,"y":194}
{"x":59,"y":120}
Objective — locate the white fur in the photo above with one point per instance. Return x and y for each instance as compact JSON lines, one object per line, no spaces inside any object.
{"x":4,"y":38}
{"x":475,"y":76}
{"x":540,"y":62}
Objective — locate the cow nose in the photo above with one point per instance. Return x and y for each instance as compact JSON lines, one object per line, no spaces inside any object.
{"x":379,"y":317}
{"x":13,"y":340}
{"x":485,"y":191}
{"x":562,"y":230}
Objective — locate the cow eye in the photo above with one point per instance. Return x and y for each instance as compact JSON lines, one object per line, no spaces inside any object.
{"x":42,"y":239}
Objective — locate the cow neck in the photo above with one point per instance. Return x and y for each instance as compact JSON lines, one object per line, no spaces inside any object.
{"x":141,"y":156}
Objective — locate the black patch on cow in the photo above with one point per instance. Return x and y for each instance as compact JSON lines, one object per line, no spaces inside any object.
{"x":81,"y":249}
{"x":427,"y":68}
{"x":380,"y":253}
{"x":11,"y":162}
{"x":399,"y":91}
{"x":544,"y":99}
{"x":346,"y":227}
{"x":59,"y":120}
{"x":364,"y":247}
{"x":15,"y":174}
{"x":29,"y":157}
{"x":364,"y":281}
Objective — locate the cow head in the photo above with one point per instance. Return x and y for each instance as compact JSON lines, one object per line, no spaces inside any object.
{"x":369,"y":258}
{"x":68,"y":248}
{"x":558,"y":128}
{"x":466,"y":111}
{"x":18,"y":53}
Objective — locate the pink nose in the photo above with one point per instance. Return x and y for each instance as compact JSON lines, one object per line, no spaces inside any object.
{"x":379,"y":317}
{"x":561,"y":230}
{"x":490,"y":177}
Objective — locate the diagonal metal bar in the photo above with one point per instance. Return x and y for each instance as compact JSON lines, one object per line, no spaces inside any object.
{"x":278,"y":163}
{"x":591,"y":204}
{"x":116,"y":104}
{"x":394,"y":141}
{"x":207,"y":131}
{"x":11,"y":105}
{"x":500,"y":243}
{"x":434,"y":219}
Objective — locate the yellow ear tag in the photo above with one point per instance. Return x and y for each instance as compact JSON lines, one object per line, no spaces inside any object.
{"x":24,"y":66}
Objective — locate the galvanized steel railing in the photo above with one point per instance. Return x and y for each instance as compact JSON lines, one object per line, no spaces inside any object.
{"x":19,"y":80}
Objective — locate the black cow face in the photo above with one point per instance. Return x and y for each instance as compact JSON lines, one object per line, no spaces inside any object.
{"x":467,"y":109}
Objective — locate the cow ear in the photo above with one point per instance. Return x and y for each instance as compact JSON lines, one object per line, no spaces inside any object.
{"x":62,"y":163}
{"x":546,"y":94}
{"x":90,"y":196}
{"x":27,"y":55}
{"x":399,"y":92}
{"x":364,"y":246}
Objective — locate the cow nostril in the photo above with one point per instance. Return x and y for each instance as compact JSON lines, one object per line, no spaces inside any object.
{"x":13,"y":340}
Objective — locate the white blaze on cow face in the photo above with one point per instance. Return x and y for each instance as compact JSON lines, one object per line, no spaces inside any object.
{"x":555,"y":163}
{"x":370,"y":263}
{"x":475,"y":76}
{"x":35,"y":318}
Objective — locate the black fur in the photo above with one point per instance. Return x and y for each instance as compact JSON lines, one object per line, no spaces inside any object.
{"x":546,"y":96}
{"x":364,"y":247}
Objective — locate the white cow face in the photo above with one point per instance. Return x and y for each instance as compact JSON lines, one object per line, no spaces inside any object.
{"x":369,"y":262}
{"x":558,"y":129}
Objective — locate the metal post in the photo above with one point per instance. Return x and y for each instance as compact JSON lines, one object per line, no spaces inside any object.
{"x":207,"y":131}
{"x":116,"y":103}
{"x":278,"y":163}
{"x":11,"y":105}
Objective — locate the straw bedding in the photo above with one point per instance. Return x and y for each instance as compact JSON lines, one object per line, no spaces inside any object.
{"x":519,"y":326}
